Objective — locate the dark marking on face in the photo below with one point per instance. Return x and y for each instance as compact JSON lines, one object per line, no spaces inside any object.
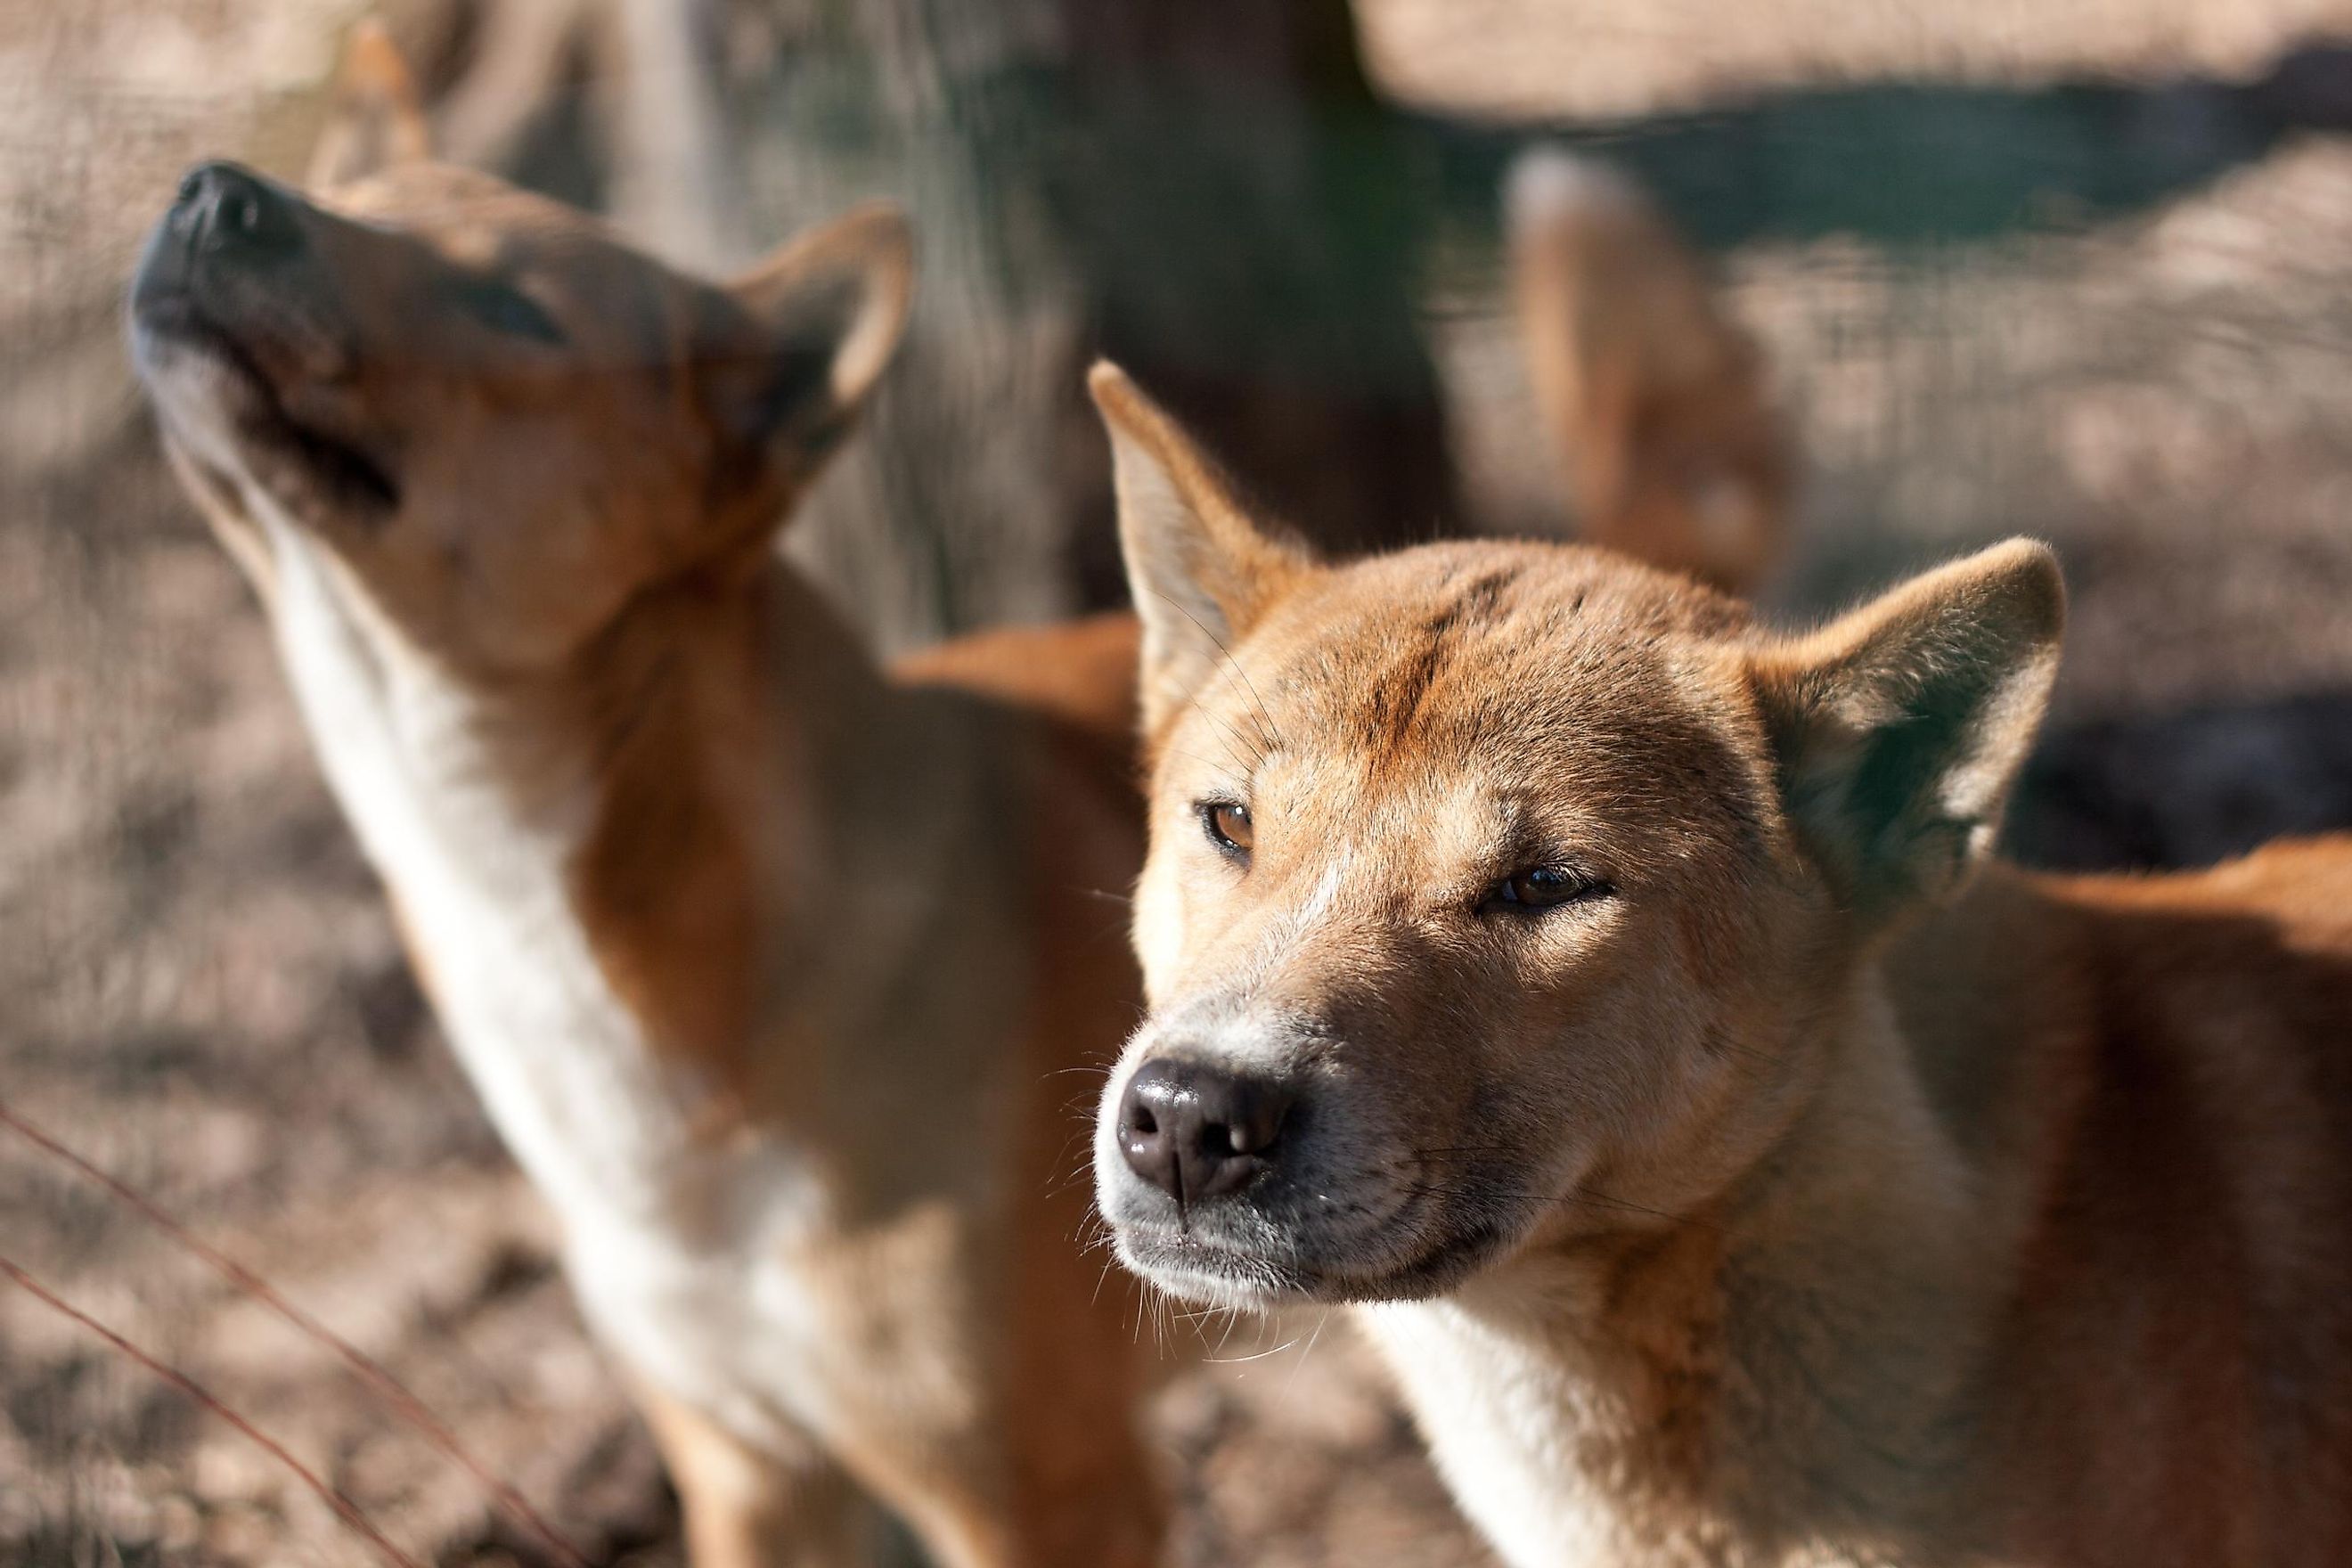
{"x":503,"y":308}
{"x":1392,"y":717}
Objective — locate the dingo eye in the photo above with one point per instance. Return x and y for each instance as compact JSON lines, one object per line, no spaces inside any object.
{"x":1540,"y":888}
{"x":1227,"y":823}
{"x":507,"y":310}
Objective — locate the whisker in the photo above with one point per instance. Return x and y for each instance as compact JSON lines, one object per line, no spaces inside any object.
{"x":1263,"y":714}
{"x":1218,"y":642}
{"x":1256,"y":1355}
{"x":1312,"y":1340}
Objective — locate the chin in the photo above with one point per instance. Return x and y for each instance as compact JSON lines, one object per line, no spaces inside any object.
{"x":1206,"y":1275}
{"x":204,"y":388}
{"x":1209,"y":1274}
{"x":218,"y":400}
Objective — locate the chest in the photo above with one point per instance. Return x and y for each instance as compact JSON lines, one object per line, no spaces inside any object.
{"x":605,"y":1131}
{"x":1575,"y":1454}
{"x":1512,"y":1433}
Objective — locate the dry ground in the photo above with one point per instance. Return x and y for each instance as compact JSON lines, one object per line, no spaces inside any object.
{"x":199,"y":987}
{"x":1509,"y":58}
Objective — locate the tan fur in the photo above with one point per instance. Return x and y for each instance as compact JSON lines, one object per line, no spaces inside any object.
{"x":745,"y":1510}
{"x":1654,"y":395}
{"x":1796,"y":1186}
{"x":774,"y":966}
{"x":378,"y":116}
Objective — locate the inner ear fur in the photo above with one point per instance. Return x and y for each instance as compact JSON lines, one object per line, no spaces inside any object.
{"x":826,"y":310}
{"x":1202,"y":570}
{"x":1897,"y":730}
{"x":375,"y":120}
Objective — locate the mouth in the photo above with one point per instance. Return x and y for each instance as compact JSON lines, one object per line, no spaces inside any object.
{"x":170,"y":325}
{"x":1213,"y":1276}
{"x":1217,"y":1274}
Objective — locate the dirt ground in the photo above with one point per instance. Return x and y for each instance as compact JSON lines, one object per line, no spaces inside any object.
{"x":1507,"y":58}
{"x":199,"y":987}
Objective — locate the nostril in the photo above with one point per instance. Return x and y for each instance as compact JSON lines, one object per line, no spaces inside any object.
{"x":233,"y":213}
{"x":1196,"y":1131}
{"x":1252,"y":1116}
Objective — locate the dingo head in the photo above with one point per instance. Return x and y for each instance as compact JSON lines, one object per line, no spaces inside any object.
{"x":502,"y":422}
{"x":1494,"y":888}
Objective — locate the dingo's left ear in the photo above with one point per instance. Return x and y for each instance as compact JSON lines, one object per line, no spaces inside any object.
{"x":828,"y":307}
{"x":377,"y":120}
{"x":1897,"y":730}
{"x":1201,"y":570}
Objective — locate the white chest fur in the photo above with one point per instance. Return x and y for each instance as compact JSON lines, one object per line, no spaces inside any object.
{"x":1500,"y":1417}
{"x":667,"y":1236}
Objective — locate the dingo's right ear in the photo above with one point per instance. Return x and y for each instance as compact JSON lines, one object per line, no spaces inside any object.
{"x":378,"y":118}
{"x":1201,"y":570}
{"x":829,"y":307}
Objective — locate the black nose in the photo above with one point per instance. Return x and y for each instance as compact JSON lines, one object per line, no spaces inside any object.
{"x":238,"y":214}
{"x":1195,"y":1131}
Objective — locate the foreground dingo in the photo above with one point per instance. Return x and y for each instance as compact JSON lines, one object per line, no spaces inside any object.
{"x":769,"y":966}
{"x":1612,"y":998}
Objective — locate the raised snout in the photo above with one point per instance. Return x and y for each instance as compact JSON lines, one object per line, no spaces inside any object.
{"x":223,"y":209}
{"x":1197,"y":1132}
{"x":225,"y":223}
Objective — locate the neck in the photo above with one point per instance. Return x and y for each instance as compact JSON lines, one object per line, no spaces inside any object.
{"x":1795,"y":1364}
{"x":743,"y":735}
{"x":1861,"y":1278}
{"x":593,"y":865}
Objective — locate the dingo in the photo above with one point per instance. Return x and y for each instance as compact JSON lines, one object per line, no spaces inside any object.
{"x":766,"y":963}
{"x":1612,"y":998}
{"x":1653,"y":396}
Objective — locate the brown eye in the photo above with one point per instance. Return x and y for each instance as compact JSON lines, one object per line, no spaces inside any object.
{"x":1228,"y":826}
{"x":1541,"y":888}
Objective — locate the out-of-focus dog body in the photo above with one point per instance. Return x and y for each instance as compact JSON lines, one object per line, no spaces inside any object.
{"x":770,"y":965}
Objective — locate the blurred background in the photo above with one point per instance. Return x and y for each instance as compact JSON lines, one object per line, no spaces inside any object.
{"x":2081,"y":271}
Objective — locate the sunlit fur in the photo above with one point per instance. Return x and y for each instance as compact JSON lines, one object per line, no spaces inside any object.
{"x":779,"y":973}
{"x":1811,"y":1191}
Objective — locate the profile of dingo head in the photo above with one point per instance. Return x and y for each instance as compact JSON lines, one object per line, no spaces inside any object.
{"x":1491,"y":886}
{"x":497,"y":417}
{"x":643,"y":804}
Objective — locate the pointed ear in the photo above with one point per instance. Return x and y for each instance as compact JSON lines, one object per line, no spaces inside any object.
{"x":1201,"y":570}
{"x":1897,"y":730}
{"x":377,"y":117}
{"x":826,"y":310}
